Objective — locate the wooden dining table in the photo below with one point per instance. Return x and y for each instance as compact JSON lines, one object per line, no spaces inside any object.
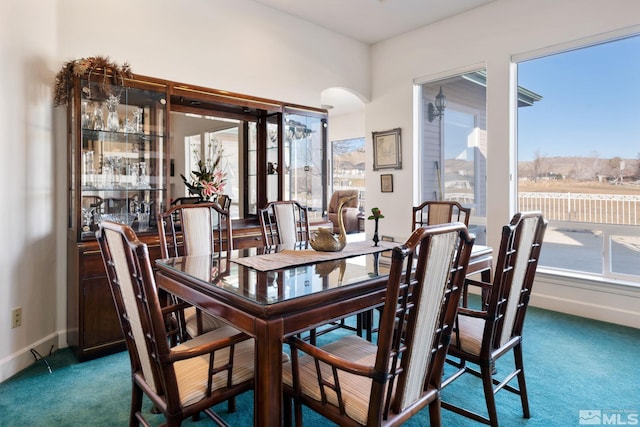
{"x":272,"y":293}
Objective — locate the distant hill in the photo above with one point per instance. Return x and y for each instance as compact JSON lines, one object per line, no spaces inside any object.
{"x":350,"y":160}
{"x":580,"y":168}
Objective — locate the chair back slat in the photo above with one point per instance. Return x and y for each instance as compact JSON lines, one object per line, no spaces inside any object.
{"x":518,"y":283}
{"x":135,"y":295}
{"x":284,"y":223}
{"x":427,"y":314}
{"x":194,"y":222}
{"x":195,"y":229}
{"x":433,"y":212}
{"x":515,"y":269}
{"x":426,"y":278}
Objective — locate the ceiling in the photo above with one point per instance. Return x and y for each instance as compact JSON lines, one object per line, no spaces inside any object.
{"x":368,"y":21}
{"x":371,"y":21}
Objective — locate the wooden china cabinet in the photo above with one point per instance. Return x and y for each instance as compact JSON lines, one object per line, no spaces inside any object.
{"x":117,"y":152}
{"x":120,"y":168}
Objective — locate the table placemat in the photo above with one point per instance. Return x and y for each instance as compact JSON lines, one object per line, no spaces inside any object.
{"x":291,"y":257}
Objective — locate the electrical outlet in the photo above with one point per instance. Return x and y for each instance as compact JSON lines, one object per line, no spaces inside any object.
{"x":16,"y":317}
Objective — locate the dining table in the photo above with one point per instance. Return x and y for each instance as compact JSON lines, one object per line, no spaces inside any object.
{"x":274,"y":292}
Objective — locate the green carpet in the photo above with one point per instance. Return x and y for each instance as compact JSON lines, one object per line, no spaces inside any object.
{"x":572,"y":364}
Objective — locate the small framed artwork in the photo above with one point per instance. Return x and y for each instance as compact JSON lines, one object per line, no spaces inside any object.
{"x":387,"y":150}
{"x":386,"y":183}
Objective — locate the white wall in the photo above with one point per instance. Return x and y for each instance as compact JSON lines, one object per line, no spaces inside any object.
{"x":29,"y":273}
{"x":346,"y":126}
{"x":235,"y":45}
{"x":486,"y":37}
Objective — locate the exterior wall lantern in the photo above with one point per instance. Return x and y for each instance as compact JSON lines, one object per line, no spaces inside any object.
{"x":438,"y":109}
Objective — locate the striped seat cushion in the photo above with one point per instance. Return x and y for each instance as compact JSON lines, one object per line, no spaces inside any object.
{"x":192,"y":374}
{"x":470,"y":334}
{"x":355,"y":389}
{"x":209,"y":322}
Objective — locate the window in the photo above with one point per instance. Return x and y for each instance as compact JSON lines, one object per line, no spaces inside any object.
{"x":578,"y":156}
{"x":348,"y":166}
{"x":453,"y":156}
{"x":304,"y":156}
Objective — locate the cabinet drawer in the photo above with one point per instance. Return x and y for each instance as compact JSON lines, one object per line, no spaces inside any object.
{"x":99,"y":323}
{"x":91,"y":264}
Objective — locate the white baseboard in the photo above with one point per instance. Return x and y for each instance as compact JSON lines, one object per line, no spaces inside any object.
{"x":589,"y":310}
{"x":589,"y":297}
{"x":16,"y":362}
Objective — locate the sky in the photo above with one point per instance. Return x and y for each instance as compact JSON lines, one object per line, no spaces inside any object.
{"x":590,"y":103}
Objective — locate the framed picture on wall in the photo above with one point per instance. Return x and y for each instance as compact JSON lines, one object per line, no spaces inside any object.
{"x":386,"y":183}
{"x":387,"y":150}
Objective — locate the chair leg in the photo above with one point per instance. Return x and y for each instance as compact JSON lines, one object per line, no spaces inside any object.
{"x":435,"y":413}
{"x":136,"y":405}
{"x":489,"y":396}
{"x":522,"y":385}
{"x":231,"y":405}
{"x":297,"y":407}
{"x":286,"y":410}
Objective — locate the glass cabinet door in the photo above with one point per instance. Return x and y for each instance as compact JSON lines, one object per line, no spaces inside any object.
{"x":118,"y":167}
{"x":305,"y":161}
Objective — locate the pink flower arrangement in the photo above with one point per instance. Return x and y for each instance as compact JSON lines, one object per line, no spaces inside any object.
{"x":209,"y":179}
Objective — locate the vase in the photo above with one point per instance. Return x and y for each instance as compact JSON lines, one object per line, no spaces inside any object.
{"x":375,"y":234}
{"x":98,"y":122}
{"x":113,"y":122}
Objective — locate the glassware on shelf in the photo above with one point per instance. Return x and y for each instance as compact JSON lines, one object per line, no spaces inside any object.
{"x":134,"y":170}
{"x":112,"y":171}
{"x":134,"y":124}
{"x":113,"y":122}
{"x":116,"y":167}
{"x":146,"y":206}
{"x":143,"y":179}
{"x":88,"y":173}
{"x":143,"y":221}
{"x":85,"y":118}
{"x":137,"y":120}
{"x":98,"y":119}
{"x":87,"y":217}
{"x":107,"y":175}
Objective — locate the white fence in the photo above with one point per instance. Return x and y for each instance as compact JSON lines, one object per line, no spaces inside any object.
{"x":582,"y":207}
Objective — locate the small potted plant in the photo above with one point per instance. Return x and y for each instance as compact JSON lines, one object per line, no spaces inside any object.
{"x":376,"y":214}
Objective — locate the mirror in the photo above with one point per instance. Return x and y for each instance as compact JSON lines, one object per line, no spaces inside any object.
{"x":195,"y":137}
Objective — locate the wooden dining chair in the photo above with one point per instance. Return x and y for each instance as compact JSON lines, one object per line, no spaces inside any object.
{"x":183,"y":380}
{"x":284,"y":222}
{"x":224,"y":201}
{"x":195,"y":229}
{"x":483,"y":336}
{"x":434,"y":212}
{"x":354,"y":382}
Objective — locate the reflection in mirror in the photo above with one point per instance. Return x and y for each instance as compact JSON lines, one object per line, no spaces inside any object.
{"x":196,"y":135}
